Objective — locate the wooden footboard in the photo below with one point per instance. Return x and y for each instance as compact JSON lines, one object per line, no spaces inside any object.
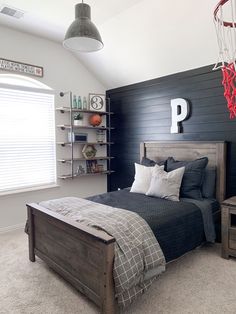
{"x":82,"y":255}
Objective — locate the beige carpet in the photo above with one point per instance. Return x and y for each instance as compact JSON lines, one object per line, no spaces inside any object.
{"x":200,"y":282}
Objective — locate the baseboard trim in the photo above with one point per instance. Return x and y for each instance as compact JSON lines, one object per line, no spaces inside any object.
{"x":12,"y":228}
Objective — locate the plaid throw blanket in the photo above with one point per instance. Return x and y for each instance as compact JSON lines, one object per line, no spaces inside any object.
{"x":138,"y":256}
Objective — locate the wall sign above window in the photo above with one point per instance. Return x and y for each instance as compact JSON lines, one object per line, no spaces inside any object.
{"x":19,"y":67}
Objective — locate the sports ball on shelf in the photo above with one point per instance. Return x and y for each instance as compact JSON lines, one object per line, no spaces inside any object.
{"x":95,"y":119}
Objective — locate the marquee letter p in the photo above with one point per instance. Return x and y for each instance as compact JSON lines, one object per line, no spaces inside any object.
{"x":179,"y":112}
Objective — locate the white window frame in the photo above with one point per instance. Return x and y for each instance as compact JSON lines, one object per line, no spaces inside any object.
{"x":30,"y":85}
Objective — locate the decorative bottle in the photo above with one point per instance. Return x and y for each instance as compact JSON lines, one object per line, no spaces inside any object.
{"x":79,"y":103}
{"x":74,"y":103}
{"x":85,"y":104}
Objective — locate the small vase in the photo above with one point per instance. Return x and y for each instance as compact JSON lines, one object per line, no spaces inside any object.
{"x":78,"y":122}
{"x":79,"y":103}
{"x":85,"y":104}
{"x":74,"y":104}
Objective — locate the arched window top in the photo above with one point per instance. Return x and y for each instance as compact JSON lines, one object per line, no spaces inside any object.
{"x":21,"y":80}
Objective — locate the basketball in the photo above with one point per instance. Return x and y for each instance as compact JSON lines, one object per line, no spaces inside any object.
{"x":95,"y":119}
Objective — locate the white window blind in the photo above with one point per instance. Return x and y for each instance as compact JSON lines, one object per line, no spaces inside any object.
{"x":27,"y":139}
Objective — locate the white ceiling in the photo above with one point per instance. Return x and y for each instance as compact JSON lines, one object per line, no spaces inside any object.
{"x":143,"y":39}
{"x":51,"y":18}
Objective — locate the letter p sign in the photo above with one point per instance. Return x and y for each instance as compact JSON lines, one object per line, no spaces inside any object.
{"x":179,"y":112}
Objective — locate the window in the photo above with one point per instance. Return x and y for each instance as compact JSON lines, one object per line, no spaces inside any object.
{"x":27,"y":134}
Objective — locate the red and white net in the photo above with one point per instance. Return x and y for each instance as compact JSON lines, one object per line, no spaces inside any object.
{"x":225,"y":25}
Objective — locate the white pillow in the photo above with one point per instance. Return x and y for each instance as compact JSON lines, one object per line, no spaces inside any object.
{"x":142,"y":178}
{"x":166,"y":184}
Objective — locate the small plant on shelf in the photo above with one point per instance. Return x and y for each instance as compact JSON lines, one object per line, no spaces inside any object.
{"x":78,"y":119}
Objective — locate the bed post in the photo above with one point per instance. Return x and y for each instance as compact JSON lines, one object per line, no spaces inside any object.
{"x":31,"y":233}
{"x":109,"y":304}
{"x":221,"y":171}
{"x":142,"y":149}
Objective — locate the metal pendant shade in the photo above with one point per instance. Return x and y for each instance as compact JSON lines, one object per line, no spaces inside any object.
{"x":83,"y":35}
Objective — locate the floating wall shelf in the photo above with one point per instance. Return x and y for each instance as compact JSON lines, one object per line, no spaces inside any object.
{"x":73,"y":160}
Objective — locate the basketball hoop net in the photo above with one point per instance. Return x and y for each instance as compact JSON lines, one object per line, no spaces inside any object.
{"x":226,"y":39}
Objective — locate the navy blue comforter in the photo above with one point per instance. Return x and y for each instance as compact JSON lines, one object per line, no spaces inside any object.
{"x":178,"y":226}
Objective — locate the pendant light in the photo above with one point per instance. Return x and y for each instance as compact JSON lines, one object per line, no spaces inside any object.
{"x":82,"y":35}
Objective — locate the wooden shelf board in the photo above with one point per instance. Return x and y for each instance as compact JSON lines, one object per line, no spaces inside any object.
{"x":65,"y":126}
{"x":84,"y":159}
{"x":68,"y":109}
{"x":84,"y":143}
{"x":69,"y":176}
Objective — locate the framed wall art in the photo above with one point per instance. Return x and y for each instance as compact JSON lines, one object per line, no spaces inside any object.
{"x":97,"y":102}
{"x":89,"y":151}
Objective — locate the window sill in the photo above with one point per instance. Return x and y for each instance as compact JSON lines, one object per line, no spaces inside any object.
{"x":26,"y":190}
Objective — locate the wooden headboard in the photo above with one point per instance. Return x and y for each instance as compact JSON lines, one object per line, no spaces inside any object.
{"x":184,"y":150}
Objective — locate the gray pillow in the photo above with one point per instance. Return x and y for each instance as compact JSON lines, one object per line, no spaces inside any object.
{"x":151,"y":163}
{"x":193,"y":176}
{"x":209,"y":183}
{"x":166,"y":184}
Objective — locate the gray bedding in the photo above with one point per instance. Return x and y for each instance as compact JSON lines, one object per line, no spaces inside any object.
{"x":178,"y":226}
{"x":205,"y":206}
{"x":138,"y":256}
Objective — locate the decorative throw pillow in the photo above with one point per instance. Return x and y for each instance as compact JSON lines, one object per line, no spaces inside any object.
{"x":142,"y":179}
{"x":166,"y":184}
{"x":209,"y":183}
{"x":151,"y":163}
{"x":193,"y":176}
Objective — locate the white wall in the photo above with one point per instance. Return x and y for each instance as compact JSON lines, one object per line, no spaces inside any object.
{"x":153,"y":39}
{"x":62,"y":72}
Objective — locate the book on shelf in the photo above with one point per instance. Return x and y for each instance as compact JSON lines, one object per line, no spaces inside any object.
{"x":93,"y":166}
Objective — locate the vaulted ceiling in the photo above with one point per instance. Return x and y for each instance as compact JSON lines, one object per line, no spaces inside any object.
{"x":143,"y":39}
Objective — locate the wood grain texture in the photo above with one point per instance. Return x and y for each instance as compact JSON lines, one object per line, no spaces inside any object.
{"x":109,"y":305}
{"x":185,"y":150}
{"x":230,"y":201}
{"x":82,"y":255}
{"x":143,"y":113}
{"x":232,"y":238}
{"x":228,"y":228}
{"x":225,"y":232}
{"x":31,"y":233}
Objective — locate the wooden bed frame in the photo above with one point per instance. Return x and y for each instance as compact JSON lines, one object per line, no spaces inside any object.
{"x":84,"y":256}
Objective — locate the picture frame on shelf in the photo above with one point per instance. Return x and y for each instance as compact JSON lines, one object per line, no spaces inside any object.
{"x":97,"y":102}
{"x":77,"y":137}
{"x":81,"y":170}
{"x":89,"y":151}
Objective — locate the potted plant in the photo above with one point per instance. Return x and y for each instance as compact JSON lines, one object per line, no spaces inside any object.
{"x":78,"y":119}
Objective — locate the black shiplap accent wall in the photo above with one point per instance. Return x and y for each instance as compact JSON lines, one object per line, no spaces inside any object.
{"x":143,"y":113}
